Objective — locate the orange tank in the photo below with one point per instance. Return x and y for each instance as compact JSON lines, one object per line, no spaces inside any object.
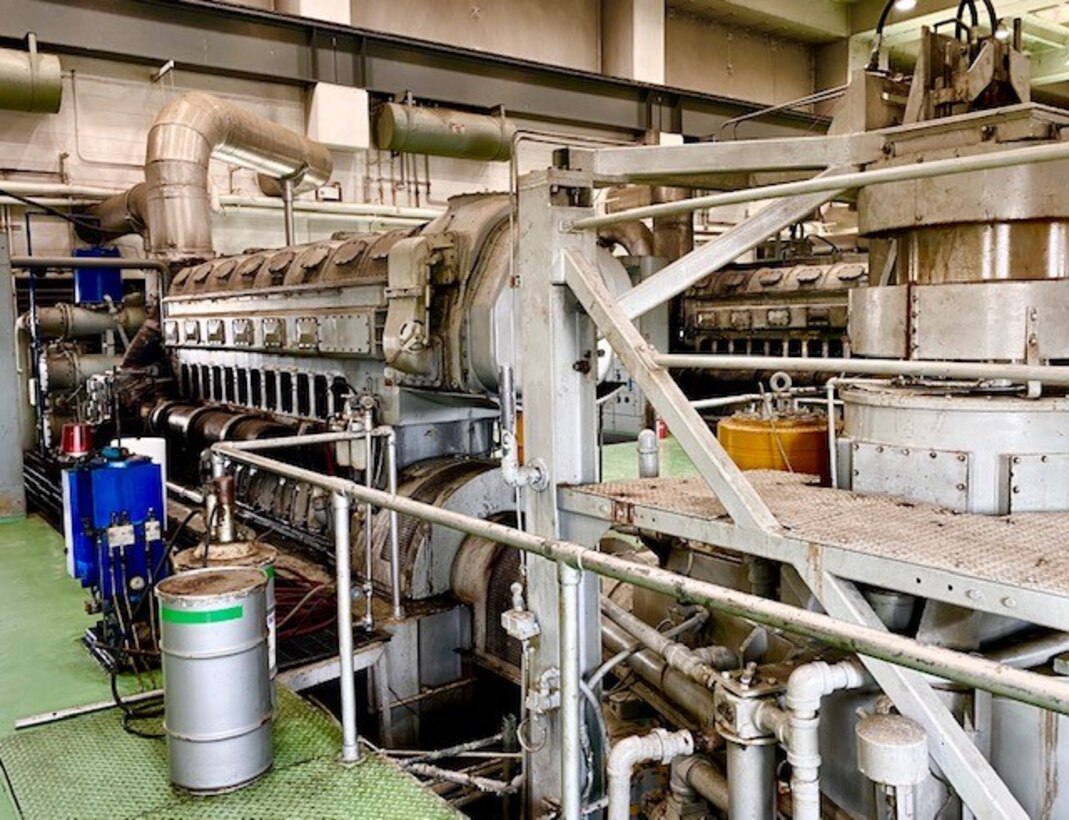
{"x":792,"y":443}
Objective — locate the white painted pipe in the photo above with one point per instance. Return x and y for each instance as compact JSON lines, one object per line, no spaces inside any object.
{"x":335,"y":208}
{"x":659,"y":745}
{"x":571,"y":760}
{"x":807,"y":686}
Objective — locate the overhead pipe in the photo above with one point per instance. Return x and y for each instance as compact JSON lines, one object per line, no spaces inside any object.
{"x":970,"y":371}
{"x":186,"y":134}
{"x":979,"y":673}
{"x":994,"y":160}
{"x":633,"y":237}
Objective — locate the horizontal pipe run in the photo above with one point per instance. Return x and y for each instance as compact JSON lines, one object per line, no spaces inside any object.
{"x":858,"y":179}
{"x":39,"y":262}
{"x":308,"y":206}
{"x":971,"y":371}
{"x":686,"y":693}
{"x":1027,"y":687}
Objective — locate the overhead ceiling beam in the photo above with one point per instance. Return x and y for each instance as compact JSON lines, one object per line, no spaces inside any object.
{"x":819,"y":21}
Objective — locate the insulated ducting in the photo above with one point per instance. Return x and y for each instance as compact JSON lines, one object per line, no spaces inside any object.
{"x":187,"y":133}
{"x":30,"y":81}
{"x":443,"y":132}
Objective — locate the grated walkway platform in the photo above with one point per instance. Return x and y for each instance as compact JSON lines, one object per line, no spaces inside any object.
{"x":1015,"y":565}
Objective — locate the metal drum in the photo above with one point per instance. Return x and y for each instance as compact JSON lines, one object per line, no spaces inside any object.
{"x":241,"y":554}
{"x":217,"y":698}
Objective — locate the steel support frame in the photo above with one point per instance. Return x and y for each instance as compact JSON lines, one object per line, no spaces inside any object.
{"x":560,"y":424}
{"x":974,"y":779}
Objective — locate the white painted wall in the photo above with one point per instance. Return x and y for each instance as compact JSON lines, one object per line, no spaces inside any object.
{"x":704,"y":55}
{"x":558,"y":32}
{"x":98,"y":139}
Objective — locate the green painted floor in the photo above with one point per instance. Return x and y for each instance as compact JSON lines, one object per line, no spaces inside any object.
{"x":88,"y":767}
{"x":619,"y":462}
{"x":43,"y":667}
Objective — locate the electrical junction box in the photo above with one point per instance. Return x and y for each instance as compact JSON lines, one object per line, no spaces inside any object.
{"x":93,"y":286}
{"x":339,"y":117}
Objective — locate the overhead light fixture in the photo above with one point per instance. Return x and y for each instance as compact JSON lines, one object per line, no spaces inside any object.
{"x":905,"y":5}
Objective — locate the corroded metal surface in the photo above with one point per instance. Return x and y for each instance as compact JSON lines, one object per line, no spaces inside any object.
{"x":1030,"y":550}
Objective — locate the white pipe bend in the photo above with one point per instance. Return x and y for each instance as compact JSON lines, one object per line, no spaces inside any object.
{"x":807,"y":686}
{"x":659,"y":745}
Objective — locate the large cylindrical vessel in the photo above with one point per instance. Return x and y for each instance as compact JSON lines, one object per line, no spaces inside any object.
{"x":217,"y":699}
{"x":241,"y":554}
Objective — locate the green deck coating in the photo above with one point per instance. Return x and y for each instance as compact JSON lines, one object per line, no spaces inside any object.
{"x":90,"y":763}
{"x":88,"y":767}
{"x":619,"y":462}
{"x":43,"y":667}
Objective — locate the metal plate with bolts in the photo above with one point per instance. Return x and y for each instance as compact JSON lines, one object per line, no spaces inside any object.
{"x":934,"y":476}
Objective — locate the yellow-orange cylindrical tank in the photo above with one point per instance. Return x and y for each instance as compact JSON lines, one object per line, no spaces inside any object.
{"x":794,"y":443}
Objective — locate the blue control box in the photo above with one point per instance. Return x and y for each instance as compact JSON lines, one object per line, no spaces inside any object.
{"x":112,"y":511}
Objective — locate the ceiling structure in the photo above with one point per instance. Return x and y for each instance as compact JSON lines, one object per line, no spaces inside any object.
{"x":819,"y":22}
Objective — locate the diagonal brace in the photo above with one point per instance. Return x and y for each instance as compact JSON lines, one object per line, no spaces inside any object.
{"x":968,"y":771}
{"x":725,"y":479}
{"x":688,"y":270}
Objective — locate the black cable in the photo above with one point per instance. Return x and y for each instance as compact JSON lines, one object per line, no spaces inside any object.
{"x":91,"y":222}
{"x":208,"y":533}
{"x":145,"y":710}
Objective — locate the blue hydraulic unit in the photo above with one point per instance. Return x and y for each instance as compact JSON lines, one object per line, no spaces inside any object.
{"x":112,"y":509}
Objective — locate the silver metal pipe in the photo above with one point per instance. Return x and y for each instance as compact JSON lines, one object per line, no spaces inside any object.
{"x":350,"y":750}
{"x":676,"y":654}
{"x":571,"y":762}
{"x":69,"y":262}
{"x":443,"y":132}
{"x":287,"y":210}
{"x":693,"y":698}
{"x":67,"y":321}
{"x":979,"y":673}
{"x":697,"y":775}
{"x":186,"y":134}
{"x":970,"y":371}
{"x":858,"y":179}
{"x":751,"y":781}
{"x":595,"y":677}
{"x":369,"y":512}
{"x":185,"y":493}
{"x":395,"y":547}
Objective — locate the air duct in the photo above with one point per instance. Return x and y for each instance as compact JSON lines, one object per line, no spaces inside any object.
{"x":187,"y":133}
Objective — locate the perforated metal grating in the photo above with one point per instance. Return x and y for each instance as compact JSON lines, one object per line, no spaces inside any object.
{"x":88,"y":767}
{"x":1027,"y":550}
